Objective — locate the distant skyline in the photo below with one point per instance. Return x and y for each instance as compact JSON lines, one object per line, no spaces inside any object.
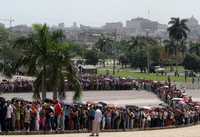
{"x":95,"y":12}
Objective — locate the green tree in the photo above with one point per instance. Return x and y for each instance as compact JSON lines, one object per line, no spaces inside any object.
{"x":155,"y":54}
{"x":104,"y":47}
{"x":141,"y":44}
{"x":91,"y":57}
{"x":194,"y":48}
{"x":192,"y":62}
{"x":178,"y":33}
{"x":44,"y":55}
{"x":123,"y":59}
{"x":139,"y":60}
{"x":8,"y":55}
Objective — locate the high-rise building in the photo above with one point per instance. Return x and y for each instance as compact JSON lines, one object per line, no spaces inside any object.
{"x":113,"y":26}
{"x":61,"y":25}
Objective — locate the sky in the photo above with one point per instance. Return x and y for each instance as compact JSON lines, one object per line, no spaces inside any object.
{"x":95,"y":12}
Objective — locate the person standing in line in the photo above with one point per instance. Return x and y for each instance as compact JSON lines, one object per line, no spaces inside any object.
{"x":58,"y":115}
{"x":18,"y":115}
{"x":27,"y":118}
{"x":96,"y":122}
{"x":9,"y":116}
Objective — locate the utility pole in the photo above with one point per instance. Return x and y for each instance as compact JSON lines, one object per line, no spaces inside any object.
{"x":114,"y":50}
{"x":148,"y":52}
{"x":10,"y":20}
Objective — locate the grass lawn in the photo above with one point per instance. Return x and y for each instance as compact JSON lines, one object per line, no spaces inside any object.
{"x":180,"y":68}
{"x":138,"y":75}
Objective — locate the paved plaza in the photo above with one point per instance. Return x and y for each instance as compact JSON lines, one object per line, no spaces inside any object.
{"x":179,"y":132}
{"x":132,"y":97}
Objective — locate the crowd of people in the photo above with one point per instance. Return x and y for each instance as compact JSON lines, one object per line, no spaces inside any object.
{"x":52,"y":115}
{"x":88,"y":82}
{"x":102,"y":82}
{"x":17,"y":85}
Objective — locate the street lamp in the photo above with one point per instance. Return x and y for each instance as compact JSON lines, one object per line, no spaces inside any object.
{"x":148,"y":54}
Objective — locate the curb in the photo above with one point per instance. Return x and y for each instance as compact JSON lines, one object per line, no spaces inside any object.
{"x":87,"y":131}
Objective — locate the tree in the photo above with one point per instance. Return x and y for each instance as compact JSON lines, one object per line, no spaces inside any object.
{"x":8,"y":55}
{"x":139,"y":60}
{"x":178,"y":33}
{"x":44,"y":55}
{"x":192,"y":62}
{"x":60,"y":67}
{"x":91,"y":57}
{"x":194,"y":48}
{"x":155,"y":52}
{"x":141,"y":44}
{"x":123,"y":59}
{"x":104,"y":47}
{"x":169,"y":47}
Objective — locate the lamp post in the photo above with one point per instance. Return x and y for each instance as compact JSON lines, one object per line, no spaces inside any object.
{"x":148,"y":54}
{"x":114,"y":50}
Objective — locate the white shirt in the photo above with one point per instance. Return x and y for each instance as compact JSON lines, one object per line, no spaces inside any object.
{"x":9,"y":111}
{"x":98,"y":115}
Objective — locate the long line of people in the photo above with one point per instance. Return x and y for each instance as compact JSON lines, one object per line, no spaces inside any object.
{"x":49,"y":115}
{"x":103,"y":82}
{"x":88,"y":82}
{"x":18,"y":85}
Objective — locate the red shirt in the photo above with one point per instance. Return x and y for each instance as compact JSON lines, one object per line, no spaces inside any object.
{"x":58,"y":109}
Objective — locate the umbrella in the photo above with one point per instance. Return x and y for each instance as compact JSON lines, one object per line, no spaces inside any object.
{"x":107,"y":79}
{"x":184,"y":94}
{"x":182,"y":102}
{"x":111,"y":105}
{"x":90,"y":102}
{"x":103,"y":103}
{"x":177,"y":99}
{"x":163,"y":105}
{"x":99,"y":105}
{"x":166,"y":86}
{"x":146,"y":107}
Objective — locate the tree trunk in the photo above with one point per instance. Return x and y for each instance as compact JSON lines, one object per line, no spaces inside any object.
{"x":176,"y":56}
{"x":114,"y":66}
{"x":104,"y":63}
{"x":55,"y":94}
{"x":44,"y":83}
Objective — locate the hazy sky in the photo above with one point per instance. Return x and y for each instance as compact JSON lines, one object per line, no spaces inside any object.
{"x":95,"y":12}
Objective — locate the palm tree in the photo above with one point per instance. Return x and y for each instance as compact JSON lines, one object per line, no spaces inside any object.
{"x":170,"y":50}
{"x":44,"y":55}
{"x":169,"y":47}
{"x":177,"y":32}
{"x":60,"y":66}
{"x":35,"y":56}
{"x":136,"y":43}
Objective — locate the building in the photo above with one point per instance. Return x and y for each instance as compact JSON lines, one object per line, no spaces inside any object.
{"x":141,"y":26}
{"x":21,"y":30}
{"x":61,"y":25}
{"x":113,"y":26}
{"x":194,"y":27}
